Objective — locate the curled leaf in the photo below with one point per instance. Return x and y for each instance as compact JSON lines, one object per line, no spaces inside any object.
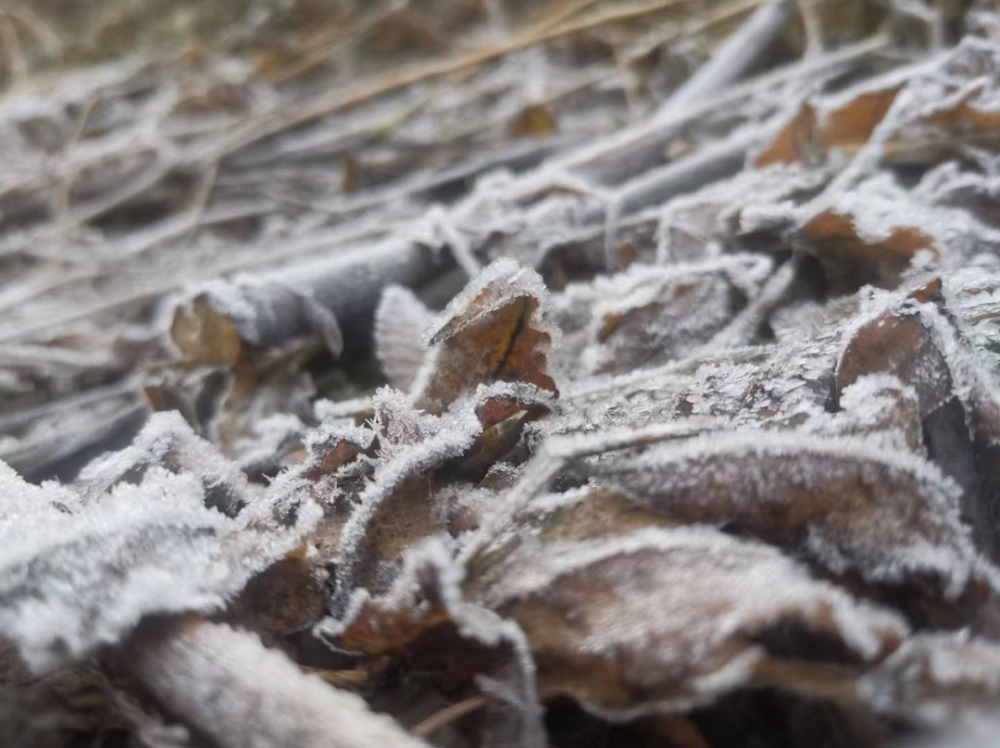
{"x":494,"y":331}
{"x":671,"y":618}
{"x":847,"y":504}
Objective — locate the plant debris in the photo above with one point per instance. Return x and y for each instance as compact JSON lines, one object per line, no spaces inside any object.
{"x":490,"y":374}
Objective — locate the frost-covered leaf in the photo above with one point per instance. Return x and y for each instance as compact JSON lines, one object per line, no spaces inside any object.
{"x":401,"y":321}
{"x":425,"y":617}
{"x":847,"y":503}
{"x":905,"y":343}
{"x":843,"y":122}
{"x":395,"y":509}
{"x":672,"y":618}
{"x":937,"y":679}
{"x":900,"y":112}
{"x":650,"y":315}
{"x":495,"y":330}
{"x":79,"y":575}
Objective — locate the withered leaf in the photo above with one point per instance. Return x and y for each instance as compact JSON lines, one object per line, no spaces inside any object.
{"x":82,"y":574}
{"x":425,"y":616}
{"x":839,"y":231}
{"x":848,"y":504}
{"x":670,"y":618}
{"x":205,"y":336}
{"x":904,"y":343}
{"x":845,"y":122}
{"x":495,"y":330}
{"x":535,"y":120}
{"x":651,"y":315}
{"x":936,"y":678}
{"x":401,"y":321}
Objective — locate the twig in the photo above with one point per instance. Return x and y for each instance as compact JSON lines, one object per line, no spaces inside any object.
{"x":17,"y":63}
{"x":39,"y":27}
{"x":449,"y":714}
{"x":304,"y":115}
{"x":741,"y":329}
{"x":658,"y":131}
{"x":273,"y":309}
{"x":225,"y":685}
{"x":730,"y":62}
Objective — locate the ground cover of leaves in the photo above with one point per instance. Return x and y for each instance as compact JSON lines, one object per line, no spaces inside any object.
{"x":482,"y":374}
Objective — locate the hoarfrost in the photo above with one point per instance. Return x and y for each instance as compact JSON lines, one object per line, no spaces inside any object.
{"x":78,"y":574}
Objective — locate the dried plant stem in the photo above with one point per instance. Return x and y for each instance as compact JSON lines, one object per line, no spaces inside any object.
{"x":448,"y":715}
{"x":315,"y":297}
{"x":257,"y":131}
{"x":226,"y":686}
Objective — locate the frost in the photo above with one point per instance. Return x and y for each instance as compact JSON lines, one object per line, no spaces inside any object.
{"x":205,"y":671}
{"x":168,"y":439}
{"x":72,"y":582}
{"x":489,"y":291}
{"x":401,"y":321}
{"x":429,"y":586}
{"x":679,"y":615}
{"x":651,"y":314}
{"x":938,"y":678}
{"x":779,"y":485}
{"x":496,"y":329}
{"x":78,"y":574}
{"x":452,"y":434}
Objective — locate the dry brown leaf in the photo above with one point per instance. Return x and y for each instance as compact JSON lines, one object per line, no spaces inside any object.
{"x":847,"y":504}
{"x":671,"y":618}
{"x":651,"y":315}
{"x":937,"y":678}
{"x":817,"y":127}
{"x":535,"y":120}
{"x":836,"y":231}
{"x":206,"y":337}
{"x":904,"y":343}
{"x":494,"y":331}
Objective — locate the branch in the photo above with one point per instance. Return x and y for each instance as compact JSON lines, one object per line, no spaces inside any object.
{"x":226,"y":686}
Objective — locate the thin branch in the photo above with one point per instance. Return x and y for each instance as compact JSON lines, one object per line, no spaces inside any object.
{"x":448,"y":715}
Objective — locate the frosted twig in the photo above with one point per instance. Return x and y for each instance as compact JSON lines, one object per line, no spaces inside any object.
{"x":226,"y":685}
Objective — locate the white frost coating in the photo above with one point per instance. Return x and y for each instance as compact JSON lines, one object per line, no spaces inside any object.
{"x":974,"y":383}
{"x":696,"y":301}
{"x":904,"y":533}
{"x":165,"y":433}
{"x":327,"y":410}
{"x":569,"y":446}
{"x":18,"y":497}
{"x":270,"y":438}
{"x":400,"y":424}
{"x":682,"y":597}
{"x":879,"y":406}
{"x":522,"y":393}
{"x":76,"y":575}
{"x":768,"y":582}
{"x":936,"y":678}
{"x":328,"y":433}
{"x":692,"y":225}
{"x":71,"y":582}
{"x":401,"y":321}
{"x":430,"y":562}
{"x":858,"y":397}
{"x":232,"y":689}
{"x":455,"y":431}
{"x":493,"y":288}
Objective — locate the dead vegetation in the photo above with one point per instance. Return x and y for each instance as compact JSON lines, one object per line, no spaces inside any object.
{"x":572,"y":374}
